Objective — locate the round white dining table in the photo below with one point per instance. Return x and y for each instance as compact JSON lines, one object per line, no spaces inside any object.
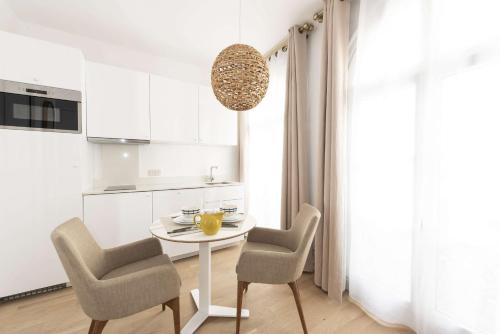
{"x":202,"y":295}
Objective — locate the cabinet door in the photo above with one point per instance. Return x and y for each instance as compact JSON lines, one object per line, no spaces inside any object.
{"x":40,"y":176}
{"x":240,"y":204}
{"x":171,"y":201}
{"x":174,"y":110}
{"x":218,"y":125}
{"x":214,"y":197}
{"x":117,"y":102}
{"x":223,"y":193}
{"x":39,"y":62}
{"x":117,"y":219}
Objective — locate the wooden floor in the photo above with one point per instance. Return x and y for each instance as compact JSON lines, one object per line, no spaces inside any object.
{"x":272,"y":308}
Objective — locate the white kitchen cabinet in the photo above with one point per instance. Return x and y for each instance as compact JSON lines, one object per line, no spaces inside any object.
{"x":38,"y":62}
{"x":218,"y":125}
{"x":240,"y":204}
{"x":117,"y":102}
{"x":40,"y":172}
{"x":223,"y":193}
{"x":174,"y":110}
{"x":40,"y":176}
{"x":168,"y":202}
{"x":215,"y":196}
{"x":117,"y":219}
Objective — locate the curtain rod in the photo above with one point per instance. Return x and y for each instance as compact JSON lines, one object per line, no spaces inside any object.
{"x":283,"y":44}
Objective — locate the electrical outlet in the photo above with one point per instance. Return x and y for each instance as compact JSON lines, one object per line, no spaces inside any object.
{"x":154,"y":172}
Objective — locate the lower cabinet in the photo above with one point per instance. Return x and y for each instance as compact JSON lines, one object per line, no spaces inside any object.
{"x":168,"y":202}
{"x":117,"y":219}
{"x":120,"y":218}
{"x":213,"y":198}
{"x":40,"y":189}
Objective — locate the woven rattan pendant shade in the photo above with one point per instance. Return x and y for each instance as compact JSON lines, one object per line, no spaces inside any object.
{"x":240,"y":77}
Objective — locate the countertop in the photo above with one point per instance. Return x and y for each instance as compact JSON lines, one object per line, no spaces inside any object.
{"x":160,"y":187}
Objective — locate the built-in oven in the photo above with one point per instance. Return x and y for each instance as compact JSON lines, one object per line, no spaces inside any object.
{"x":33,"y":107}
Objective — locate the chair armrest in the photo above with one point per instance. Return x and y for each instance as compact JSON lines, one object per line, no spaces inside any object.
{"x":270,"y":236}
{"x":268,"y":267}
{"x":133,"y":252}
{"x":127,"y":294}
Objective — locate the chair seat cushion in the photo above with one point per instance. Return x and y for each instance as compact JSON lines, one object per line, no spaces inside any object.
{"x":138,"y":286}
{"x":155,"y":261}
{"x":266,"y":263}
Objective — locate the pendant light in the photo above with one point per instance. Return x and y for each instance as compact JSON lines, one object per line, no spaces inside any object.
{"x":240,"y":75}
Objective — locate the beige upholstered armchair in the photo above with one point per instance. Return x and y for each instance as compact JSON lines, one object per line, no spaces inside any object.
{"x":117,"y":282}
{"x":277,"y":257}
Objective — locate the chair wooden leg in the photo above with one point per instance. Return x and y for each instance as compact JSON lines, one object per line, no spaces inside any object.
{"x":92,"y":325}
{"x":174,"y":305}
{"x":163,"y":306}
{"x":242,"y":286}
{"x":296,"y":295}
{"x":97,"y":326}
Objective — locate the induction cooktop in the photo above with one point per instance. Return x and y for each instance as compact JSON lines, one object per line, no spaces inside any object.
{"x":122,"y":187}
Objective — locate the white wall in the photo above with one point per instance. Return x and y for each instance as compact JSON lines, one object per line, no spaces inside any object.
{"x":265,"y":148}
{"x":104,"y":165}
{"x":8,"y":20}
{"x":102,"y":52}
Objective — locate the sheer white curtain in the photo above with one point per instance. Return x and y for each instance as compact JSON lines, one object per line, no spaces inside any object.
{"x":424,"y":164}
{"x":265,"y":148}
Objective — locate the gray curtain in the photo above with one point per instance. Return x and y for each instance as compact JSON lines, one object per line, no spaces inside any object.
{"x":329,"y":255}
{"x":295,"y":159}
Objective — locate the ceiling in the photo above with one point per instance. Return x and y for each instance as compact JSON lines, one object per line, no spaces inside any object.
{"x":192,"y":31}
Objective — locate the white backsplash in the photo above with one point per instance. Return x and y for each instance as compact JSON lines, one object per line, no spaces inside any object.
{"x":162,"y":163}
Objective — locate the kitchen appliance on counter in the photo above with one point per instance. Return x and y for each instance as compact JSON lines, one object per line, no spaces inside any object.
{"x":33,"y":107}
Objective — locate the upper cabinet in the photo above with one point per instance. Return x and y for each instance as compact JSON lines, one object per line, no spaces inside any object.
{"x":38,"y":62}
{"x":126,"y":104}
{"x":218,"y":125}
{"x":117,"y":102}
{"x":174,"y":110}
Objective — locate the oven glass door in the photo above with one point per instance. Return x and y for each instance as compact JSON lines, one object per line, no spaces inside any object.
{"x":39,"y":113}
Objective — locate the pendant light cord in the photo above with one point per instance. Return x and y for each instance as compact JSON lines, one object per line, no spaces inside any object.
{"x":239,"y":22}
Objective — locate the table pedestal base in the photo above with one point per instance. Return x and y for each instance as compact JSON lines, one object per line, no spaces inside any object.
{"x":213,"y":311}
{"x":205,"y":309}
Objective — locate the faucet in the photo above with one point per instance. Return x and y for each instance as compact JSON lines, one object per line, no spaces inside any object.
{"x":212,"y":177}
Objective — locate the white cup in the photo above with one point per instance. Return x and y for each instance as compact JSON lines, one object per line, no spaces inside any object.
{"x":229,"y":209}
{"x":190,"y":212}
